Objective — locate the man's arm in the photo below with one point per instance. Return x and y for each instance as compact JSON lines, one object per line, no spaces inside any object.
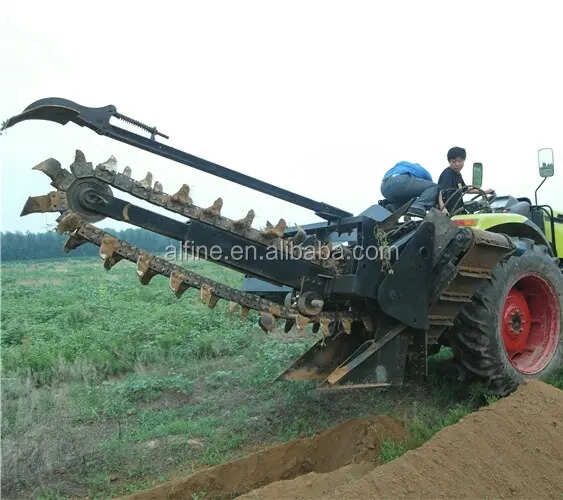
{"x":477,"y":191}
{"x":447,"y":185}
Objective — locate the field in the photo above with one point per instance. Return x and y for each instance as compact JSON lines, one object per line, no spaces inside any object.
{"x":110,"y":388}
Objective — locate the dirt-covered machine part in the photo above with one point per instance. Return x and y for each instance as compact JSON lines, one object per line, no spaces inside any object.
{"x":381,"y":315}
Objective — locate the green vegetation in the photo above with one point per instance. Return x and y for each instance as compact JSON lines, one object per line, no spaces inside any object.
{"x":109,"y":387}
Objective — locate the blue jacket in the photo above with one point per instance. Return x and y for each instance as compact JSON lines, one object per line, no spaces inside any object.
{"x":405,"y":167}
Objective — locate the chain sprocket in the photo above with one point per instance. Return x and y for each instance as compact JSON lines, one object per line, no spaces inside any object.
{"x":75,"y":191}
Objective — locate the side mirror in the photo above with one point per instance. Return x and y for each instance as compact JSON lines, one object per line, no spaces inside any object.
{"x":545,"y":162}
{"x":477,"y":175}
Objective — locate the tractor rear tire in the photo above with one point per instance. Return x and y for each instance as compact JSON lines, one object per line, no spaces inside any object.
{"x":513,"y":328}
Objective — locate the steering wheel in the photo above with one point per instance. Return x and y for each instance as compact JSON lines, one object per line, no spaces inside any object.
{"x":471,"y":206}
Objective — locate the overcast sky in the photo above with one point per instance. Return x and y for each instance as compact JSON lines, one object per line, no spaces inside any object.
{"x":286,"y":92}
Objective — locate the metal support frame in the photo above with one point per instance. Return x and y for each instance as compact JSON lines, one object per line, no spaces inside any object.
{"x":254,"y":259}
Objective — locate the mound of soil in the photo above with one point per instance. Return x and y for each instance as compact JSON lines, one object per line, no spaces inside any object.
{"x":511,"y":449}
{"x":355,"y":441}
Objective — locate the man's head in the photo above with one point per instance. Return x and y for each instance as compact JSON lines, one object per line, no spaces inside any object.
{"x":456,"y":158}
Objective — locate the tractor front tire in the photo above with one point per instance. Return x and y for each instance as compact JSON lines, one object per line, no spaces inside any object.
{"x":513,"y":328}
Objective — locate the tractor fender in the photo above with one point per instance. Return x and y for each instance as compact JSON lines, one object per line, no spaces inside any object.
{"x":524,"y":229}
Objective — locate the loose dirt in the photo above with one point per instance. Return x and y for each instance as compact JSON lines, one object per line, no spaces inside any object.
{"x":354,"y":441}
{"x":510,"y":449}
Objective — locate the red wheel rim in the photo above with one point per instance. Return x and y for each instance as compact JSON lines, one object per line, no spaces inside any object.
{"x":530,"y":324}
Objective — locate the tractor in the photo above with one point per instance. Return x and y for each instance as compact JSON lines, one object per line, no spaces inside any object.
{"x":384,"y":288}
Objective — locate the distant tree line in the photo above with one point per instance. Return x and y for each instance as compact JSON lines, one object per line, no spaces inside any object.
{"x":49,"y":244}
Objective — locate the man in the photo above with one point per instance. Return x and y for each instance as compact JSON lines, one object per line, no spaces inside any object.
{"x":450,"y":180}
{"x":410,"y":180}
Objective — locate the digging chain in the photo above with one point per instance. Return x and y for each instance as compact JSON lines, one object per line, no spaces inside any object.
{"x":112,"y":250}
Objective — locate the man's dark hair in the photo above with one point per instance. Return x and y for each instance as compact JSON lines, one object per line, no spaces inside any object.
{"x":456,"y":152}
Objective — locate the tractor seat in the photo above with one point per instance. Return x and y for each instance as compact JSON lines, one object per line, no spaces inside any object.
{"x":392,"y":207}
{"x":521,"y":208}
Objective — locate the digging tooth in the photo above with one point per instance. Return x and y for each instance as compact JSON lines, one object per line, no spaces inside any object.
{"x":110,"y":164}
{"x":182,"y":196}
{"x":108,"y":251}
{"x":267,"y":322}
{"x":127,"y":171}
{"x":245,"y":222}
{"x":299,"y":236}
{"x":207,"y":297}
{"x":302,"y":321}
{"x":232,"y":307}
{"x":288,"y":325}
{"x":69,"y":222}
{"x":144,"y":271}
{"x":112,"y":261}
{"x":275,"y":231}
{"x":204,"y":293}
{"x":215,"y":209}
{"x":147,"y":181}
{"x":325,"y":326}
{"x":55,"y":201}
{"x":80,"y":167}
{"x":244,"y":312}
{"x":73,"y":241}
{"x":347,"y":325}
{"x":79,"y":156}
{"x":213,"y":300}
{"x":50,"y":167}
{"x":109,"y":245}
{"x":368,"y":323}
{"x":177,"y":284}
{"x":157,"y":188}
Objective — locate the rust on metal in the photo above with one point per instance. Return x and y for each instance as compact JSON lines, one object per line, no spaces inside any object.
{"x":73,"y":241}
{"x":182,"y":196}
{"x":70,"y":222}
{"x":304,"y":374}
{"x":245,"y":223}
{"x":126,"y":211}
{"x":144,"y":270}
{"x":267,"y":322}
{"x":276,"y":231}
{"x":108,"y":251}
{"x":336,"y":375}
{"x":302,"y":321}
{"x":208,"y":297}
{"x":244,"y":311}
{"x":109,"y":165}
{"x":109,"y":246}
{"x":147,"y":265}
{"x":146,"y":183}
{"x":214,"y":210}
{"x":178,"y":284}
{"x":233,"y":306}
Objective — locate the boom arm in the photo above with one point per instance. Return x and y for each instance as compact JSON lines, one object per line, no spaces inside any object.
{"x":62,"y":111}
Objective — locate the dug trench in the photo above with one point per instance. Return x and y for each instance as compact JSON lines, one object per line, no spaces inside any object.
{"x":355,"y":441}
{"x":512,"y":448}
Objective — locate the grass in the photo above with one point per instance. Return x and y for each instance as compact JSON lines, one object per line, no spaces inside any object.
{"x":109,"y":387}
